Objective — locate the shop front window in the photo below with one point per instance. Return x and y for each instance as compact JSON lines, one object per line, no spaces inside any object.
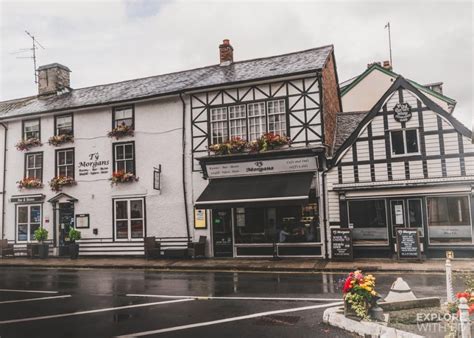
{"x":28,"y":221}
{"x":368,"y":220}
{"x":449,"y":220}
{"x":129,"y":219}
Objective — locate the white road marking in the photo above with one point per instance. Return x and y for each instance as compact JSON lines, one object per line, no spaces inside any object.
{"x":227,"y":320}
{"x":33,"y":299}
{"x":28,"y":291}
{"x":91,"y":311}
{"x":237,"y":298}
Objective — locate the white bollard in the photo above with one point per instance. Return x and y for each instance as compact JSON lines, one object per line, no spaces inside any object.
{"x":464,"y":320}
{"x":449,"y":282}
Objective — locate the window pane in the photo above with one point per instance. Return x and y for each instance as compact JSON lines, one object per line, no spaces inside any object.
{"x":35,"y":214}
{"x":412,"y":141}
{"x":64,"y":125}
{"x":257,"y":126}
{"x":397,"y":142}
{"x":415,"y":214}
{"x":368,"y":219}
{"x":219,"y":125}
{"x":238,"y":121}
{"x":22,"y":232}
{"x":121,"y":210}
{"x":30,"y":161}
{"x":137,"y":228}
{"x":61,"y":158}
{"x":277,"y":117}
{"x":122,"y":229}
{"x":125,"y":113}
{"x":120,"y":166}
{"x":33,"y":228}
{"x":448,"y":219}
{"x":70,"y":157}
{"x":119,"y":152}
{"x":136,"y":209}
{"x":22,"y":215}
{"x":129,"y":151}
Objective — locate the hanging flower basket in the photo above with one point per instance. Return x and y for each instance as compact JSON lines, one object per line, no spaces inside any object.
{"x":120,"y":131}
{"x":29,"y":183}
{"x":123,"y":177}
{"x":27,"y":144}
{"x":233,"y":146}
{"x":359,"y":294}
{"x":60,"y":139}
{"x":269,"y":141}
{"x":58,"y":182}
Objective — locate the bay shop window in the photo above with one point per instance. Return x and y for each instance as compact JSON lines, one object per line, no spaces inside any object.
{"x":248,"y":121}
{"x":129,"y":218}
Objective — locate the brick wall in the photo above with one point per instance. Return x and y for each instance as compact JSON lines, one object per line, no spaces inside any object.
{"x":331,"y":101}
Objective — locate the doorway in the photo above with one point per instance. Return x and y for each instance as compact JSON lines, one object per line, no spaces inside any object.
{"x":222,"y":232}
{"x":406,"y":213}
{"x":65,"y":221}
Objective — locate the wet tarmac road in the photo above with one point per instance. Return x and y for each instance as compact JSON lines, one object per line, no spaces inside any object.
{"x":105,"y":303}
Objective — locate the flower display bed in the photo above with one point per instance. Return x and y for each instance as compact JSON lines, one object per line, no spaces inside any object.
{"x":236,"y":145}
{"x":121,"y":131}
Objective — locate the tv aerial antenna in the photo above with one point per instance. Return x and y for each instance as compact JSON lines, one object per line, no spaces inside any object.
{"x":35,"y":45}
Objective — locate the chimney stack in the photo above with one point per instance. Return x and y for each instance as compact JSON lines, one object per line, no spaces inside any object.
{"x":226,"y":53}
{"x":387,"y":65}
{"x":53,"y":78}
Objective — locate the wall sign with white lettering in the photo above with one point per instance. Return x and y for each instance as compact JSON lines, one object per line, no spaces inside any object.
{"x":408,"y":243}
{"x":342,"y":247}
{"x":27,"y":198}
{"x":402,"y":112}
{"x":262,"y":167}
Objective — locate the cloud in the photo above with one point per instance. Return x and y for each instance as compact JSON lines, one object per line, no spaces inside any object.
{"x":108,"y":41}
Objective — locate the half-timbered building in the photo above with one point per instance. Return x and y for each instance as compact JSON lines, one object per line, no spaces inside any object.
{"x":406,"y":162}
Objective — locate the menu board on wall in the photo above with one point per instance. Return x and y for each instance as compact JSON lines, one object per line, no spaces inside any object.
{"x":408,"y":243}
{"x":342,"y":247}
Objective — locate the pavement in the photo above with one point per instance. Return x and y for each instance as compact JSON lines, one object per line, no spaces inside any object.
{"x":241,"y":264}
{"x":57,"y":302}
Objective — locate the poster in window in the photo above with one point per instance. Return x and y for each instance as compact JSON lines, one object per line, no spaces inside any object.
{"x":82,"y":221}
{"x":200,"y":219}
{"x":398,"y":214}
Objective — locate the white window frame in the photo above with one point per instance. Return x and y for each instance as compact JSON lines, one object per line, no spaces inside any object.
{"x":28,"y":224}
{"x":405,"y":152}
{"x":281,"y":114}
{"x":220,"y":124}
{"x":243,"y":126}
{"x":66,"y":165}
{"x":129,"y":219}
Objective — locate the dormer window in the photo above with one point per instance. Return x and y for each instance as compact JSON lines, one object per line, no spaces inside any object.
{"x":63,"y":125}
{"x":404,"y":142}
{"x":123,"y":116}
{"x":31,"y":129}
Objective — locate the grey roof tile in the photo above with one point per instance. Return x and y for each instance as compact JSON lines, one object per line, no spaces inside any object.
{"x":347,"y":122}
{"x":216,"y":75}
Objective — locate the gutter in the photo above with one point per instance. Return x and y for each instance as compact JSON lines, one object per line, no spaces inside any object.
{"x":184,"y":167}
{"x":4,"y":177}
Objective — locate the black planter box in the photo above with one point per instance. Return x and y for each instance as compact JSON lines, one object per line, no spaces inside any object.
{"x":74,"y":250}
{"x":43,"y":250}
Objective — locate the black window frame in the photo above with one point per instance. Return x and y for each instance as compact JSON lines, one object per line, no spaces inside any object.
{"x":114,"y":164}
{"x":56,"y":123}
{"x":56,"y":164}
{"x":23,"y":128}
{"x":25,"y":171}
{"x":405,"y":145}
{"x":114,"y":109}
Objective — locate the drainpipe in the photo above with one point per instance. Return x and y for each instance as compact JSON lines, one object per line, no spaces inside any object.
{"x":4,"y":177}
{"x":184,"y":167}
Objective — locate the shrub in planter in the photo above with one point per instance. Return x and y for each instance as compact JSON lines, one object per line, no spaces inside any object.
{"x":58,"y":182}
{"x":74,"y":235}
{"x":41,"y":235}
{"x":60,"y":139}
{"x":121,"y":130}
{"x":359,"y":294}
{"x":123,"y":177}
{"x":29,"y":183}
{"x":27,"y":144}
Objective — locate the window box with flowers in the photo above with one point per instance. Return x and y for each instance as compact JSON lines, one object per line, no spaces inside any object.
{"x":359,"y":294}
{"x":122,"y":130}
{"x":30,"y":183}
{"x":123,"y":177}
{"x":28,"y":144}
{"x":233,"y":146}
{"x":268,"y":141}
{"x":58,"y":182}
{"x":60,"y":139}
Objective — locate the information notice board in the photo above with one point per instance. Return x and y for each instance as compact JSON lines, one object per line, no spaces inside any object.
{"x":408,"y":243}
{"x":342,"y":247}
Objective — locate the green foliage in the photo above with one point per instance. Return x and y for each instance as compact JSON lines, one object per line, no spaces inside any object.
{"x":41,"y":234}
{"x":74,"y":234}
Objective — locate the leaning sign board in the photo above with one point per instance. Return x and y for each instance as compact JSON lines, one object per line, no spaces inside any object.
{"x":342,"y":248}
{"x":408,"y":243}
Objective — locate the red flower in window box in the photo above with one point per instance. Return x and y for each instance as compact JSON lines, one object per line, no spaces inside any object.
{"x":233,"y":146}
{"x":269,"y":141}
{"x":123,"y":177}
{"x":29,"y":183}
{"x":27,"y":144}
{"x":58,"y":182}
{"x":60,"y":139}
{"x":121,"y":130}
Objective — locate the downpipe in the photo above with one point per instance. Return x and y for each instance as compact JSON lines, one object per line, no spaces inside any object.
{"x":184,"y":167}
{"x":4,"y":177}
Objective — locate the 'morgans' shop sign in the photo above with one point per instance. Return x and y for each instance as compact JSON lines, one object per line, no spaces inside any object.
{"x":262,"y":167}
{"x":94,"y":167}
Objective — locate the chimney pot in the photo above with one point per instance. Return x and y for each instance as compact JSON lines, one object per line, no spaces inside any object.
{"x":387,"y":65}
{"x":226,"y":53}
{"x":53,"y":78}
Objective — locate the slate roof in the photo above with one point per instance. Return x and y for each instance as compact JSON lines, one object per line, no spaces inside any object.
{"x":346,"y":123}
{"x":173,"y":83}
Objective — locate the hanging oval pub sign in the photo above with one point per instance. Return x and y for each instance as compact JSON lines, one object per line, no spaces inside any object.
{"x":402,"y":112}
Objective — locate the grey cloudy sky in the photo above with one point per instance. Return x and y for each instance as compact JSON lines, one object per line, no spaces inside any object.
{"x":109,"y":41}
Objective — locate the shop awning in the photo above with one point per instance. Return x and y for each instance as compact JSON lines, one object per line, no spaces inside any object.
{"x":287,"y":189}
